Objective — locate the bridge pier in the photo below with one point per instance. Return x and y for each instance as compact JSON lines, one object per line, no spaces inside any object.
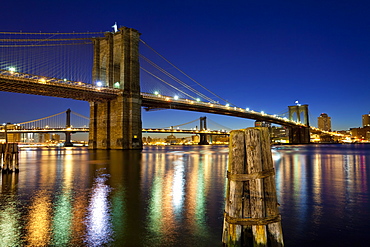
{"x":68,"y":134}
{"x":299,"y":134}
{"x":203,"y":136}
{"x":116,"y":124}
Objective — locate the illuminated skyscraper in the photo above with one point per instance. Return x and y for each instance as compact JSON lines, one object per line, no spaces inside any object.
{"x":366,"y":120}
{"x":324,"y":122}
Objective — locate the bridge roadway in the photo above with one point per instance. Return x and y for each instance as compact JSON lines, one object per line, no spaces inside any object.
{"x":38,"y":85}
{"x":146,"y":130}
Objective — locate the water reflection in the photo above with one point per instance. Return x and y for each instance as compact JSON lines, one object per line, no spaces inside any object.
{"x":10,"y":218}
{"x":98,"y":220}
{"x":39,"y":224}
{"x":178,"y":193}
{"x":322,"y":190}
{"x":174,"y":196}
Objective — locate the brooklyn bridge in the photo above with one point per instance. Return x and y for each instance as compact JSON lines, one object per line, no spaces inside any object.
{"x":120,"y":81}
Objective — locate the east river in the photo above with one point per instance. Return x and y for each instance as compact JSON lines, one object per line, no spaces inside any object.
{"x":174,"y":196}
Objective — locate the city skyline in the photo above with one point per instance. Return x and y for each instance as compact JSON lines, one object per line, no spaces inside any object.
{"x":263,"y":56}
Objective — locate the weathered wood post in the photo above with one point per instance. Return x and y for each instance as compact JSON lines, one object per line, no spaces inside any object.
{"x":251,"y":215}
{"x":9,"y":157}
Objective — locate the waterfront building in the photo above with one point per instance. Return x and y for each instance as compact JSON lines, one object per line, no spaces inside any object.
{"x":195,"y":138}
{"x":324,"y":122}
{"x":366,"y":120}
{"x":361,"y":133}
{"x":55,"y":137}
{"x":171,"y":139}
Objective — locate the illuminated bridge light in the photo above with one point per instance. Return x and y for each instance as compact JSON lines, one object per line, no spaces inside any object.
{"x":227,"y":105}
{"x":12,"y":69}
{"x":99,"y":83}
{"x":247,"y":109}
{"x":176,"y":97}
{"x":198,"y":99}
{"x":156,"y":93}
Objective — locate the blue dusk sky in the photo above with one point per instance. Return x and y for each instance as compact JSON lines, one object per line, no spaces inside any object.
{"x":263,"y":55}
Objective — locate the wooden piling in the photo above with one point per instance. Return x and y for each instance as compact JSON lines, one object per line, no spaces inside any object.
{"x":251,"y":216}
{"x":9,"y":159}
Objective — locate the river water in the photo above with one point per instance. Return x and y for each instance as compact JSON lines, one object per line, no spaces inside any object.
{"x":174,"y":196}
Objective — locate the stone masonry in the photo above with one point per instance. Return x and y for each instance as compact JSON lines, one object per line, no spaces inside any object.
{"x":116,"y":124}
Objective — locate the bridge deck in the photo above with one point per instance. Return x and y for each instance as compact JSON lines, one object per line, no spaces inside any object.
{"x":46,"y":86}
{"x":37,"y":85}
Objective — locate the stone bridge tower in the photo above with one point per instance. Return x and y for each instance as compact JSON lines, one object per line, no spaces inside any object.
{"x":299,"y":134}
{"x":116,"y":124}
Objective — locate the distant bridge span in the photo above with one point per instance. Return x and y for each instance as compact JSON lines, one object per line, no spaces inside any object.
{"x":46,"y":86}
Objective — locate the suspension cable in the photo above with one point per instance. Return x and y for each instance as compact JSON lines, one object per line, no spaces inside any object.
{"x":176,"y":79}
{"x":167,"y":83}
{"x":220,"y":125}
{"x":43,"y":118}
{"x":183,"y":72}
{"x":80,"y":115}
{"x":40,"y":33}
{"x":182,"y":124}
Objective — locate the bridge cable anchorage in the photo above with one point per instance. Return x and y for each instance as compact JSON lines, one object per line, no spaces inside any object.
{"x":185,"y":73}
{"x":182,"y":124}
{"x":176,"y":79}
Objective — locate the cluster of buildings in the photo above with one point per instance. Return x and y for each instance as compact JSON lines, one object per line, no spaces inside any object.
{"x":27,"y":137}
{"x":186,"y":140}
{"x":361,"y":134}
